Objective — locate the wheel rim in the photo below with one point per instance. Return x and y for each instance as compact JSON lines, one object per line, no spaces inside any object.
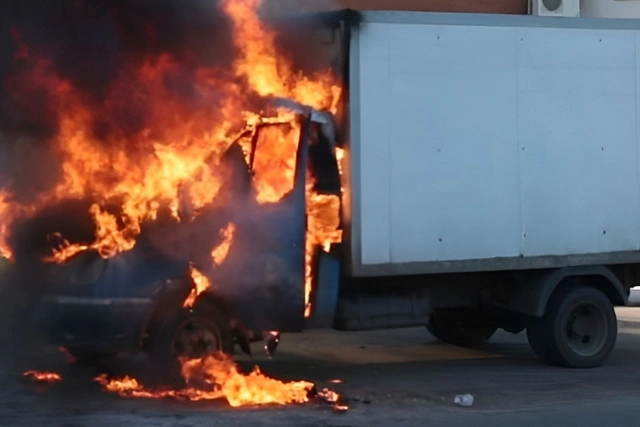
{"x":586,"y":329}
{"x":196,"y":338}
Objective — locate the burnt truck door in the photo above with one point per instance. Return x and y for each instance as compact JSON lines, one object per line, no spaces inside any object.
{"x":317,"y":42}
{"x":262,"y":280}
{"x":263,"y":277}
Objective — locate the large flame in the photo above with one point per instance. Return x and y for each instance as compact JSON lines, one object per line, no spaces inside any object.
{"x":214,"y":377}
{"x":218,"y":377}
{"x":142,"y":170}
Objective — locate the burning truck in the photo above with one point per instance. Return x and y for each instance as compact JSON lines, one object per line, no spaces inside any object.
{"x":410,"y":183}
{"x":187,"y":197}
{"x":168,"y":294}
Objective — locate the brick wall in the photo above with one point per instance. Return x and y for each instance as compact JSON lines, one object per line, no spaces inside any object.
{"x":473,"y":6}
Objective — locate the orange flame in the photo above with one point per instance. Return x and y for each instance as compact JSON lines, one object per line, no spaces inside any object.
{"x":110,"y":238}
{"x":181,"y":144}
{"x":267,"y":72}
{"x":5,"y":250}
{"x":221,"y":375}
{"x":218,"y":256}
{"x":322,"y":230}
{"x":220,"y":252}
{"x":44,"y":377}
{"x":202,"y":284}
{"x":179,"y":147}
{"x":270,"y":74}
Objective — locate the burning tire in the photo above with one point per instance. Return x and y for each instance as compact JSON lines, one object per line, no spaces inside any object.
{"x":189,"y":334}
{"x":460,"y":327}
{"x":578,"y":330}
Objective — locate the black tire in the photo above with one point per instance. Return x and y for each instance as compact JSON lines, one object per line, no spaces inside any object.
{"x":461,"y":328}
{"x":578,"y":330}
{"x":201,"y":325}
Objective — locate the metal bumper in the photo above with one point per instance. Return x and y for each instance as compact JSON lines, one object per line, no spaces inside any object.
{"x":105,"y":325}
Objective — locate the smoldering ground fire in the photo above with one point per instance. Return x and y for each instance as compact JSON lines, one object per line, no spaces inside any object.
{"x":122,"y":115}
{"x":44,"y":377}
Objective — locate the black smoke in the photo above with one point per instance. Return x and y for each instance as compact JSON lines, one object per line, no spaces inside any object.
{"x":90,"y":42}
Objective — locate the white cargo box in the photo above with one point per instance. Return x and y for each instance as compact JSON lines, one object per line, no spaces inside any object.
{"x":488,"y":142}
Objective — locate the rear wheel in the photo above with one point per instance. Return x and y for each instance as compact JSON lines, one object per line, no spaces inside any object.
{"x":578,"y":330}
{"x":462,"y":328}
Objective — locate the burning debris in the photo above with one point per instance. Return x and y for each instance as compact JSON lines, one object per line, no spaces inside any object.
{"x":216,"y":377}
{"x":272,"y":339}
{"x":334,"y":399}
{"x":43,"y":377}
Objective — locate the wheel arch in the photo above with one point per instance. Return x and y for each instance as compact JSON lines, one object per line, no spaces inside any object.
{"x":534,"y":289}
{"x":214,"y":301}
{"x":167,"y":301}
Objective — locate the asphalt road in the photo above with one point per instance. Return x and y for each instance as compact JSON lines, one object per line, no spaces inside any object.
{"x":397,"y":377}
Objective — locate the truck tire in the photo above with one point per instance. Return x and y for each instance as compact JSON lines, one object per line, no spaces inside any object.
{"x":461,"y":328}
{"x":578,"y":330}
{"x":190,"y":334}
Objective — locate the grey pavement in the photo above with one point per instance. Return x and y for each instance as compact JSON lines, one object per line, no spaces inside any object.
{"x":409,"y":378}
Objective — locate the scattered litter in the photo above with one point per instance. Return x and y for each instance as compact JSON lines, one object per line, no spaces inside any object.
{"x":463,"y":400}
{"x":272,"y":339}
{"x":331,"y":398}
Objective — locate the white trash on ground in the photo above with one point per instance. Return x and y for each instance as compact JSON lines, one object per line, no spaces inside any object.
{"x":463,"y":400}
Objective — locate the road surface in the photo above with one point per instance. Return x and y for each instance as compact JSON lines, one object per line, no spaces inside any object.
{"x":397,"y":377}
